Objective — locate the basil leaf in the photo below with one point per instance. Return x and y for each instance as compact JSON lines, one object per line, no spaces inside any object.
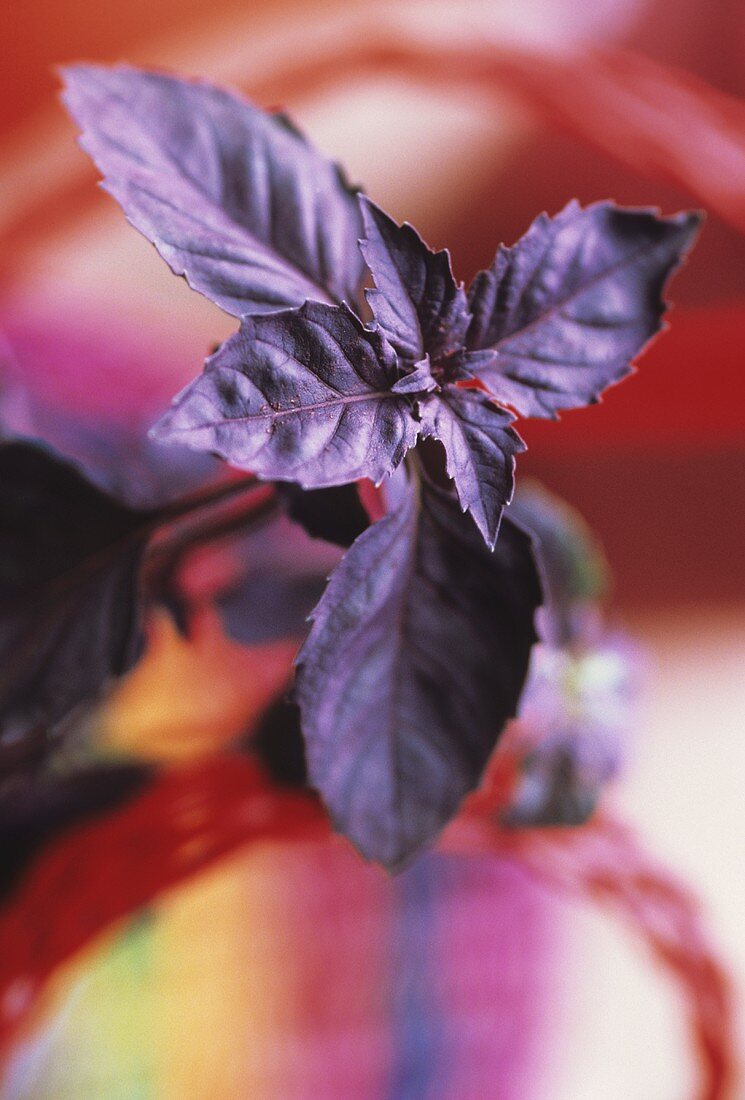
{"x":416,"y":659}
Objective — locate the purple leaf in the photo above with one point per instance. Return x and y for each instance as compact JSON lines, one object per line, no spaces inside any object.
{"x":267,"y":606}
{"x":419,"y":381}
{"x":335,"y":515}
{"x":278,"y":741}
{"x":300,"y":396}
{"x":69,"y":601}
{"x":480,"y":448}
{"x":112,"y":449}
{"x":415,"y":661}
{"x":574,"y":570}
{"x":233,"y":198}
{"x":566,"y":310}
{"x":121,"y":460}
{"x":279,"y":576}
{"x":416,"y":300}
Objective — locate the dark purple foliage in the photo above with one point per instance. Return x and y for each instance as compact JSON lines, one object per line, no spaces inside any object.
{"x":304,"y":395}
{"x":566,"y":310}
{"x":419,"y":647}
{"x":416,"y":301}
{"x":480,"y":448}
{"x":416,"y":659}
{"x":69,"y":599}
{"x":553,"y":322}
{"x":336,"y":515}
{"x":278,"y":741}
{"x":278,"y":577}
{"x":233,"y":198}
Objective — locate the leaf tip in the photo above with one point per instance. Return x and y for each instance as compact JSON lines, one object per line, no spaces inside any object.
{"x":165,"y":427}
{"x":690,"y":223}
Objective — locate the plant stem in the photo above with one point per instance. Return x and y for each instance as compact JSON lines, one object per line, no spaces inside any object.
{"x":204,"y":498}
{"x":255,"y":512}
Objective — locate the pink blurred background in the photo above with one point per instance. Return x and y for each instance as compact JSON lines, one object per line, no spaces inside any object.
{"x":468,"y":118}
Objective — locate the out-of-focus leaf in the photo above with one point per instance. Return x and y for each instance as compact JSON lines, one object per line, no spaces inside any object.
{"x":480,"y":447}
{"x":574,"y":570}
{"x":416,"y":300}
{"x":336,"y":515}
{"x":569,"y":306}
{"x":416,"y":659}
{"x":278,"y":576}
{"x":121,"y":461}
{"x":266,"y":606}
{"x":559,"y":785}
{"x":576,"y":716}
{"x":278,"y":740}
{"x":69,"y":606}
{"x":233,"y":198}
{"x":114,"y":452}
{"x":301,"y":396}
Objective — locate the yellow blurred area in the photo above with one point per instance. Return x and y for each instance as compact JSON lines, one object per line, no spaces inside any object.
{"x":157,"y":1009}
{"x":189,"y":697}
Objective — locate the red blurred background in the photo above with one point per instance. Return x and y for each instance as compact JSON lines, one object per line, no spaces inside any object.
{"x":470,"y":151}
{"x":469,"y":118}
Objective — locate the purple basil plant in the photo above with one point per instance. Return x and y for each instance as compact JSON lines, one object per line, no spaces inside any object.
{"x":359,"y":356}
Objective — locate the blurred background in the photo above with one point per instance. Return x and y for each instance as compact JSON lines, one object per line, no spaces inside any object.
{"x":466,"y":118}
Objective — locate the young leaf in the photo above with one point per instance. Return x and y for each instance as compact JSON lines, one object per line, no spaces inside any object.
{"x":418,"y":381}
{"x":69,"y":608}
{"x":415,"y":661}
{"x":566,"y":310}
{"x":416,"y":301}
{"x":480,"y":447}
{"x":233,"y":198}
{"x":302,"y":396}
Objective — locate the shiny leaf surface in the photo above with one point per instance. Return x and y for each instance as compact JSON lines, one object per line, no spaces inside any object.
{"x":232,"y":197}
{"x":301,"y":396}
{"x":566,"y":310}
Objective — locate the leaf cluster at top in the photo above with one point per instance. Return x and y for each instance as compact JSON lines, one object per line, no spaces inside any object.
{"x":420,"y":645}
